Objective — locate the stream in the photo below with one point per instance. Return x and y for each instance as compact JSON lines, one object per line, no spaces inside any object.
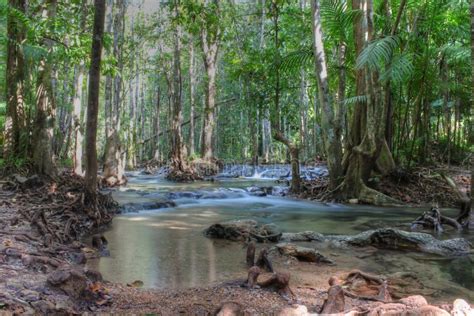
{"x":165,"y":247}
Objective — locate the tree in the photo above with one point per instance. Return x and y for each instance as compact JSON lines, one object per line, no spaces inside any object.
{"x":114,"y":164}
{"x":278,"y":134}
{"x":93,"y":102}
{"x":15,"y":76}
{"x":331,"y":128}
{"x":79,"y":71}
{"x":210,"y":37}
{"x":42,"y":151}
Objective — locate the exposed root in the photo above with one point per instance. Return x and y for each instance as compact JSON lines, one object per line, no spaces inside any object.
{"x":434,"y":220}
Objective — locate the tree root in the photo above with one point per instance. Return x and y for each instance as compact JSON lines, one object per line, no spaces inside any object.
{"x":281,"y":282}
{"x":263,"y":262}
{"x":433,"y":219}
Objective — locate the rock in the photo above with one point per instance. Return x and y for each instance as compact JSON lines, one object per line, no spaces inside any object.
{"x":241,"y":230}
{"x":296,"y":310}
{"x":44,"y":307}
{"x":94,"y":276}
{"x":230,"y":309}
{"x":427,"y":310}
{"x":302,"y":253}
{"x":303,"y":236}
{"x":415,"y":301}
{"x":388,"y":309}
{"x":389,"y":238}
{"x":29,"y":295}
{"x":353,"y":201}
{"x":72,"y":282}
{"x":461,"y":308}
{"x":136,"y":207}
{"x":183,"y":195}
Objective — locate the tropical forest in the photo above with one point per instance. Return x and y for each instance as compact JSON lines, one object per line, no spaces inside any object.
{"x":237,"y":157}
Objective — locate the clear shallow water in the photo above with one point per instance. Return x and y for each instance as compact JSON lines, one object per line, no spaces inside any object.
{"x":166,"y":248}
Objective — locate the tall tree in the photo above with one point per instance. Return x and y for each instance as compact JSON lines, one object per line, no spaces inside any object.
{"x":278,"y":132}
{"x":330,"y":126}
{"x":192,"y":95}
{"x":15,"y":76}
{"x":79,"y":71}
{"x":42,"y":151}
{"x":93,"y":101}
{"x":114,"y":165}
{"x":210,"y":40}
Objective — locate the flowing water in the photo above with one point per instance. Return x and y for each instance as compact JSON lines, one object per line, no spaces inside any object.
{"x":165,"y":247}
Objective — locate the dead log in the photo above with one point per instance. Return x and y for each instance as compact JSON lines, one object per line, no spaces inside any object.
{"x":263,"y":262}
{"x":280,"y":281}
{"x":251,"y":254}
{"x":252,"y":277}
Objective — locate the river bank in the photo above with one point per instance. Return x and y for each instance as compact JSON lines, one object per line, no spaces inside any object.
{"x":59,"y":278}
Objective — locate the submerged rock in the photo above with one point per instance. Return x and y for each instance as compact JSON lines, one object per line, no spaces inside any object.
{"x":136,"y":207}
{"x":389,"y":238}
{"x":241,"y":230}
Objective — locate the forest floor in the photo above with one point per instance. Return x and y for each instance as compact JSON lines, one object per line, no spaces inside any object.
{"x":42,"y":265}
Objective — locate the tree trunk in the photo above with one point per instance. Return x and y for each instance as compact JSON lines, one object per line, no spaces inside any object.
{"x":93,"y":102}
{"x":15,"y":76}
{"x":77,"y":104}
{"x":156,"y":155}
{"x":368,"y":149}
{"x":471,"y":217}
{"x":192,"y":96}
{"x":210,"y":47}
{"x":113,"y":166}
{"x":278,"y":133}
{"x":42,"y":155}
{"x":331,"y":131}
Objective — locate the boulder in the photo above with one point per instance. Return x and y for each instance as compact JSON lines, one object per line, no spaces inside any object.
{"x":461,"y":308}
{"x":296,"y":310}
{"x":242,"y":230}
{"x":70,"y":281}
{"x":415,"y":301}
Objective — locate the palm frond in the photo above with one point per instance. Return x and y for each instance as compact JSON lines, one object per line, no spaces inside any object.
{"x":355,"y":99}
{"x":296,"y":60}
{"x":378,"y":52}
{"x":400,"y":68}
